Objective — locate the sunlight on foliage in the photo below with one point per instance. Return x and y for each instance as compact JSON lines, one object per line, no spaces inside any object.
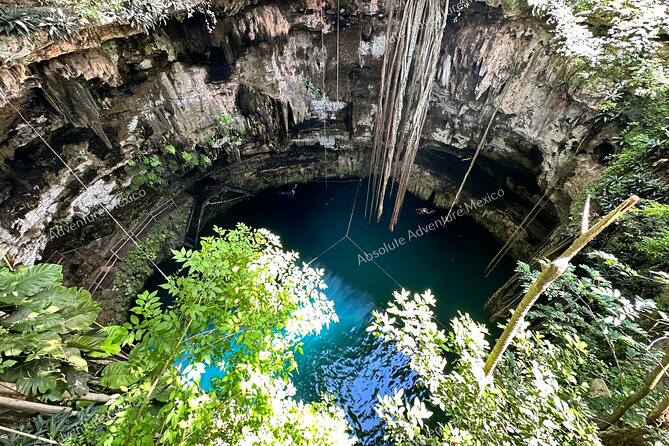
{"x":242,"y":305}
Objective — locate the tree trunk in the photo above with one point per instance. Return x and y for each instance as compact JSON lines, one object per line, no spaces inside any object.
{"x":649,"y":384}
{"x":549,"y":274}
{"x":660,"y":415}
{"x":10,"y":390}
{"x":32,"y":408}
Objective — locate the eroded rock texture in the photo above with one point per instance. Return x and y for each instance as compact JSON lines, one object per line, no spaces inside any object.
{"x":306,"y":101}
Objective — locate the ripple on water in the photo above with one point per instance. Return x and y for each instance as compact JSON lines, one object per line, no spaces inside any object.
{"x":355,"y":366}
{"x":344,"y":360}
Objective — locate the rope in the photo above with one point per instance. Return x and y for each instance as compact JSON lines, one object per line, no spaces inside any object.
{"x":348,"y":237}
{"x":529,"y":217}
{"x":325,"y":150}
{"x":81,"y":182}
{"x":328,"y":249}
{"x":225,"y":201}
{"x":538,"y":207}
{"x":374,"y":262}
{"x":6,"y":259}
{"x":337,"y":95}
{"x":471,"y":164}
{"x":350,"y":219}
{"x":334,"y":181}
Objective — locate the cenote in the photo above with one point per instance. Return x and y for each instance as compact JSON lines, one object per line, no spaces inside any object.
{"x":344,"y":360}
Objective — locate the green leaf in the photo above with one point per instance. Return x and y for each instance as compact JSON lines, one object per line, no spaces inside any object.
{"x":73,"y":356}
{"x":50,"y":344}
{"x":36,"y":377}
{"x":80,"y":314}
{"x":117,"y":375}
{"x":29,"y":280}
{"x":6,"y":364}
{"x":16,"y":344}
{"x":85,"y":342}
{"x":117,"y":336}
{"x":25,"y":319}
{"x":77,"y":381}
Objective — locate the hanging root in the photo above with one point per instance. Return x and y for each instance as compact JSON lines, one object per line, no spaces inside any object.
{"x":408,"y":72}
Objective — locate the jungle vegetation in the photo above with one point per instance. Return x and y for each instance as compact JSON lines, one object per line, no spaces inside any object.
{"x":589,"y":356}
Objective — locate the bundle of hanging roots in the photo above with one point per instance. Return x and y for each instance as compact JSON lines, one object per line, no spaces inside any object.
{"x":413,"y":42}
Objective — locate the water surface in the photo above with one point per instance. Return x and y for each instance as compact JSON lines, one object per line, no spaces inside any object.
{"x":344,"y":360}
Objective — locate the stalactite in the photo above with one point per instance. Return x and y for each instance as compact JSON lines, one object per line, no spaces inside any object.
{"x":72,"y":99}
{"x":413,"y":42}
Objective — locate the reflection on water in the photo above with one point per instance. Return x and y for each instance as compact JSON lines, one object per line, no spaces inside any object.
{"x":350,"y":363}
{"x":344,"y":360}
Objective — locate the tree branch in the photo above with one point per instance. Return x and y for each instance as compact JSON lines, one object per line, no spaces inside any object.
{"x":32,"y":408}
{"x":549,"y":274}
{"x":27,"y":435}
{"x":648,"y":385}
{"x":10,"y":390}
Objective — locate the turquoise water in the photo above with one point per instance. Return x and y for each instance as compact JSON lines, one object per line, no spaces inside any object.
{"x":344,"y":360}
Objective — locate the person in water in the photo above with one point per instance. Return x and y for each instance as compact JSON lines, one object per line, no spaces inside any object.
{"x":425,"y":211}
{"x":290,"y":193}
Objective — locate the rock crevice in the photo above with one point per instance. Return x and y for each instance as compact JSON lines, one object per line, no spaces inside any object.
{"x":106,"y":101}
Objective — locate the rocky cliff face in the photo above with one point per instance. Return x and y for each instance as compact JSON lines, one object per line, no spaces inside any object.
{"x":279,"y":93}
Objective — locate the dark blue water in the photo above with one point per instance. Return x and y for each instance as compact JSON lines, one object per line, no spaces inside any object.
{"x":344,"y":360}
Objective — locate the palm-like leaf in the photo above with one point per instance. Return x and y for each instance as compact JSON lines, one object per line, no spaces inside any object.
{"x":27,"y":281}
{"x":46,"y":330}
{"x":79,"y":314}
{"x":15,"y":344}
{"x":24,"y":319}
{"x":86,"y":342}
{"x":49,"y":344}
{"x":53,"y":298}
{"x":117,"y":375}
{"x":41,"y":377}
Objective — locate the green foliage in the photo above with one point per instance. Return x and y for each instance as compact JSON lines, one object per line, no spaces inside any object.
{"x":190,"y":159}
{"x":587,"y":305}
{"x":610,"y":41}
{"x":225,"y":121}
{"x":311,"y":90}
{"x":533,"y":397}
{"x":62,"y":427}
{"x":610,"y":189}
{"x":644,"y":137}
{"x":130,"y":278}
{"x":46,"y":334}
{"x":142,"y":14}
{"x":543,"y":391}
{"x":170,"y":149}
{"x":152,"y":170}
{"x":641,"y":239}
{"x":242,"y":304}
{"x":146,"y":170}
{"x":229,"y":131}
{"x":27,"y":21}
{"x":654,"y":242}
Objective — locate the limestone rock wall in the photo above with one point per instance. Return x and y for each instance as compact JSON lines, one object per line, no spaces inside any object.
{"x":306,"y":101}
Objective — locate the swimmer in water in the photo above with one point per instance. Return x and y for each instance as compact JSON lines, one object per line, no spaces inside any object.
{"x":290,"y":193}
{"x":424,"y":211}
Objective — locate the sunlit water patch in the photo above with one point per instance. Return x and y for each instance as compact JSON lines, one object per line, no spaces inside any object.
{"x":344,"y":360}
